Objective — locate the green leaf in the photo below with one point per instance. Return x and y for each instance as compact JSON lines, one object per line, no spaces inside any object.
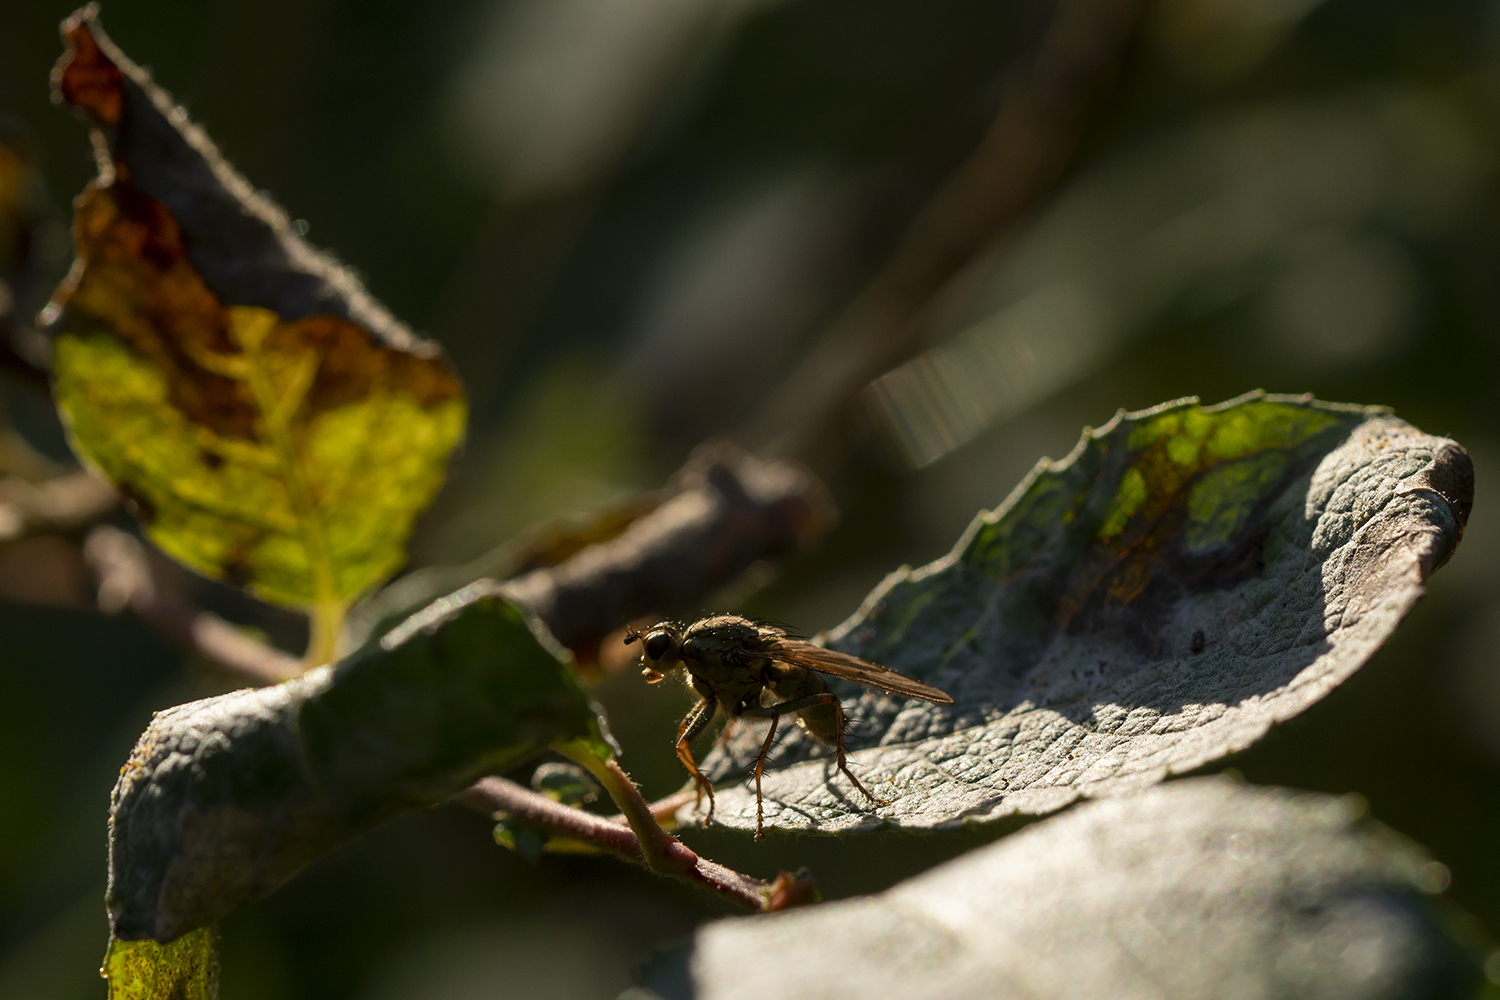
{"x":1185,"y":578}
{"x":185,"y":969}
{"x":1193,"y":889}
{"x":266,"y":420}
{"x":224,"y":799}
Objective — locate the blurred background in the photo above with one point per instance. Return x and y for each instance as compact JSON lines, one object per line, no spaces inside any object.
{"x":639,"y":224}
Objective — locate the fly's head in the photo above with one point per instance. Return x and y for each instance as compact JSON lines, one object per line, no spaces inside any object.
{"x":661,"y":649}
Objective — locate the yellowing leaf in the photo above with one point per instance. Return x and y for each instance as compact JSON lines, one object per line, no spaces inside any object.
{"x":269,"y":424}
{"x":184,"y":969}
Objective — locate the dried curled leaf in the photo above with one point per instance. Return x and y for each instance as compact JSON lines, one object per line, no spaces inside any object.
{"x":224,"y":799}
{"x":1187,"y":577}
{"x":1195,"y":889}
{"x":185,"y":969}
{"x":269,"y":422}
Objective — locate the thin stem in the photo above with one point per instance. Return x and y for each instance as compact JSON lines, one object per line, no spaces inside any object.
{"x":129,"y":578}
{"x":326,"y":620}
{"x":655,"y":842}
{"x":496,"y":797}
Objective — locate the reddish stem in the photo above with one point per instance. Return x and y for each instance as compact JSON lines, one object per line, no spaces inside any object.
{"x":498,"y":797}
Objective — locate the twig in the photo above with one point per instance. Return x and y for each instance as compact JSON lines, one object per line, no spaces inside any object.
{"x":127,"y":580}
{"x":498,"y":797}
{"x":730,"y":511}
{"x":1020,"y":159}
{"x":62,"y":505}
{"x":724,"y":512}
{"x":15,"y":363}
{"x":656,"y":845}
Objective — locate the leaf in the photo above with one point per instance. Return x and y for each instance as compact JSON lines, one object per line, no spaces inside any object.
{"x":185,"y":969}
{"x":224,"y":799}
{"x":269,"y":422}
{"x":1192,"y":889}
{"x":1185,"y":578}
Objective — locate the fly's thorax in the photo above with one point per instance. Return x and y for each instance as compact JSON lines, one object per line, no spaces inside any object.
{"x":732,"y":680}
{"x":708,"y":666}
{"x":720,"y":634}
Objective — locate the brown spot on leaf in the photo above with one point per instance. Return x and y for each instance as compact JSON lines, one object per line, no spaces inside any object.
{"x":138,"y":281}
{"x":85,"y":77}
{"x":236,"y":570}
{"x":349,"y":369}
{"x":140,"y":507}
{"x":1149,"y":569}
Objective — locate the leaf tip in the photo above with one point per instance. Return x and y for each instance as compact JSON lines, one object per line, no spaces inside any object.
{"x":86,"y":76}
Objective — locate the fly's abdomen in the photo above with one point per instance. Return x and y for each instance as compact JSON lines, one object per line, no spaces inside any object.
{"x":789,"y":683}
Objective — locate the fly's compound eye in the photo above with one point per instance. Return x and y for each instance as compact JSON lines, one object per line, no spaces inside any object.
{"x":657,"y":644}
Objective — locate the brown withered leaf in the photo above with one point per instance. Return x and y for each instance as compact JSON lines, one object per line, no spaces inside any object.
{"x":271,"y":424}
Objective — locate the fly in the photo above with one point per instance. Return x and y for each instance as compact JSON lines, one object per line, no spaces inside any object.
{"x":752,"y":670}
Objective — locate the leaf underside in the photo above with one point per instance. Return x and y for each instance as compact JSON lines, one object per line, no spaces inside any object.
{"x":269,"y":426}
{"x":1185,"y":578}
{"x":1196,"y":888}
{"x":224,"y":799}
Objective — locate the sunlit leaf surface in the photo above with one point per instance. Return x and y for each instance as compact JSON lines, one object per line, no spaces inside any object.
{"x":225,"y":798}
{"x":1198,"y":888}
{"x":185,"y":969}
{"x":1187,"y":577}
{"x":269,"y":423}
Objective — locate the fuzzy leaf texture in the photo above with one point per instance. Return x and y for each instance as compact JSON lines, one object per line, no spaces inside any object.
{"x":269,"y":422}
{"x":1187,"y":577}
{"x":185,"y":969}
{"x":1198,"y":888}
{"x":225,"y":799}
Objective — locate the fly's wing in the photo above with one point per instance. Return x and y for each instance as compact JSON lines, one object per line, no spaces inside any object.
{"x":827,"y":661}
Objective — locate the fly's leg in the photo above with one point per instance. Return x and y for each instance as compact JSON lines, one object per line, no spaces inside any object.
{"x":829,"y":698}
{"x":774,"y":713}
{"x":697,"y":720}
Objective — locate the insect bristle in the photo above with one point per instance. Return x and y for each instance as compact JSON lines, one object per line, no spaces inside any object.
{"x":782,"y":627}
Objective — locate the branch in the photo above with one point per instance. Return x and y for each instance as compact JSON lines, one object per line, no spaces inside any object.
{"x":17,"y":363}
{"x":730,"y":510}
{"x":1019,"y":160}
{"x":128,"y":579}
{"x":61,"y":505}
{"x":498,"y":798}
{"x":725,"y":511}
{"x":722,"y":513}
